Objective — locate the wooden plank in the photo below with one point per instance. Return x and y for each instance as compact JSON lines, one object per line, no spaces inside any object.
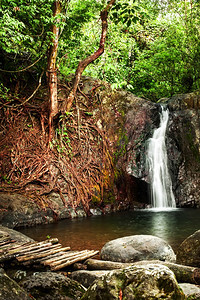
{"x":26,"y":256}
{"x":38,"y":250}
{"x":5,"y":248}
{"x":23,"y":249}
{"x":64,"y":257}
{"x":6,"y":242}
{"x":52,"y":256}
{"x":68,"y":263}
{"x":40,"y":255}
{"x":73,"y":256}
{"x":33,"y":245}
{"x":18,"y":245}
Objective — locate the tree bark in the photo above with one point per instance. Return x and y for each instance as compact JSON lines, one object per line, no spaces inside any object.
{"x":182,"y":273}
{"x":51,"y":68}
{"x":95,"y":264}
{"x":84,"y":63}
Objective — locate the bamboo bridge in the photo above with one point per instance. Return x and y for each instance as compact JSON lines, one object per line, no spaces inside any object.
{"x":47,"y":254}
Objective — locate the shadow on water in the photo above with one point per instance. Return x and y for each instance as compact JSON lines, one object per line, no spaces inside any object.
{"x":173,"y":225}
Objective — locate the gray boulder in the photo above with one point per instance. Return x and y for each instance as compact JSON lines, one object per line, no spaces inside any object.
{"x":137,"y":247}
{"x":192,"y":291}
{"x":10,"y":290}
{"x":136,"y":282}
{"x":48,"y":286}
{"x":188,"y":251}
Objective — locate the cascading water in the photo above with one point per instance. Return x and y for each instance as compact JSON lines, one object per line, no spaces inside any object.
{"x":157,"y":163}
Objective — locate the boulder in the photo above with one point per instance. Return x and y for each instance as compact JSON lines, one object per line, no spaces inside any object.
{"x":10,"y":290}
{"x":136,"y":282}
{"x":86,"y":278}
{"x":192,"y":291}
{"x":15,"y":235}
{"x":47,"y":285}
{"x":96,"y":211}
{"x":189,"y":250}
{"x":137,"y":247}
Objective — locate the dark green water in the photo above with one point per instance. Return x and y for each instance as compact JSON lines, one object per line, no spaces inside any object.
{"x":92,"y":233}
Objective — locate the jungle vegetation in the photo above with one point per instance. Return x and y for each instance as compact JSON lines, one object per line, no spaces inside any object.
{"x":148,"y":47}
{"x":152,"y":47}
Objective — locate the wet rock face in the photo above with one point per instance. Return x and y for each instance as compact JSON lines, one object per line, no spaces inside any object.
{"x":136,"y":248}
{"x":141,"y":118}
{"x":140,"y":122}
{"x":184,"y":149}
{"x":188,"y":251}
{"x":136,"y":282}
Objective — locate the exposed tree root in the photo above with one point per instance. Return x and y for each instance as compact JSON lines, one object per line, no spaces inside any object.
{"x":77,"y":164}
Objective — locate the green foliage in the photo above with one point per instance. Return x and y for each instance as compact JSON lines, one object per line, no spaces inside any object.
{"x":126,"y":12}
{"x":154,"y":56}
{"x":24,"y":26}
{"x":4,"y":92}
{"x":152,"y":48}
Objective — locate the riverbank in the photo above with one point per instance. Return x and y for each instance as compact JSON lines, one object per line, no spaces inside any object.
{"x":20,"y":210}
{"x":99,"y":277}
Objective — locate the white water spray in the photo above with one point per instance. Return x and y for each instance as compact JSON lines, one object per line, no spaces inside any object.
{"x":157,"y":163}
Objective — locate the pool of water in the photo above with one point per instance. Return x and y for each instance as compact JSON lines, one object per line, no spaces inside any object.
{"x":93,"y":232}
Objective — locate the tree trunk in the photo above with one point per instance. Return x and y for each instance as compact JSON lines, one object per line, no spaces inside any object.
{"x":183,"y":273}
{"x":95,"y":264}
{"x":51,"y":68}
{"x":84,"y":63}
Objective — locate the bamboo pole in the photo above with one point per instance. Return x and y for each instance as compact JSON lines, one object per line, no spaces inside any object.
{"x":63,"y":256}
{"x":6,"y":242}
{"x":68,"y":263}
{"x":25,"y":248}
{"x":40,"y":255}
{"x":52,"y":256}
{"x":39,"y":250}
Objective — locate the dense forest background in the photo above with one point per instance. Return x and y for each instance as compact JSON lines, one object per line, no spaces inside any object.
{"x":48,"y":141}
{"x":152,"y":47}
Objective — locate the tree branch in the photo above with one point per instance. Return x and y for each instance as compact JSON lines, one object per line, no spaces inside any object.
{"x":84,"y":63}
{"x":22,"y":70}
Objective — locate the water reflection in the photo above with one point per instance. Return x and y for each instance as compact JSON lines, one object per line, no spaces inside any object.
{"x":92,"y":233}
{"x":160,"y":224}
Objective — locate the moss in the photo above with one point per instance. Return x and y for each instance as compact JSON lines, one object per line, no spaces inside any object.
{"x":121,"y":145}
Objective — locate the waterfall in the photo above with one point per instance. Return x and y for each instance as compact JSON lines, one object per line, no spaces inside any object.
{"x":157,"y":163}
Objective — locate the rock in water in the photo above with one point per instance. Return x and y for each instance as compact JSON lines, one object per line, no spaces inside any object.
{"x":188,"y":251}
{"x":137,"y":247}
{"x":152,"y":281}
